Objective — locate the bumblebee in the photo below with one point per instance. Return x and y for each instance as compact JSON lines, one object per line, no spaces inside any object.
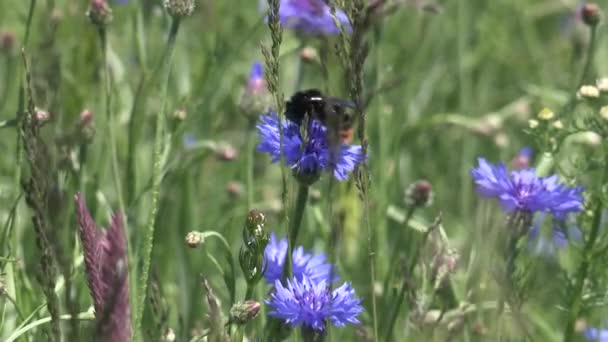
{"x":335,"y":113}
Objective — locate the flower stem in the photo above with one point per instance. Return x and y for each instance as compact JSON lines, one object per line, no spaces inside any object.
{"x":396,"y":248}
{"x":148,"y":241}
{"x":251,"y":136}
{"x":576,"y":300}
{"x":103,"y":38}
{"x":406,"y":282}
{"x":586,"y":68}
{"x":294,"y":227}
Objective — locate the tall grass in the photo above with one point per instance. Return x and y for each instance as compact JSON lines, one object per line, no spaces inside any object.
{"x":435,"y":85}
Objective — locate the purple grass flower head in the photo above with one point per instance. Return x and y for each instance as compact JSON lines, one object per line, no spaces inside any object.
{"x":562,"y":232}
{"x":307,"y":159}
{"x":313,"y":267}
{"x":105,"y":258}
{"x":522,"y":190}
{"x":311,"y":304}
{"x":596,"y":335}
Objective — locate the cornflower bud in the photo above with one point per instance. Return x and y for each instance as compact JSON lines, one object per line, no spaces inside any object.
{"x":234,"y":189}
{"x":241,"y":313}
{"x":194,"y":239}
{"x":180,"y":8}
{"x":180,"y":115}
{"x":309,"y":54}
{"x":255,"y":240}
{"x":590,"y":13}
{"x":100,"y":13}
{"x":226,"y":152}
{"x":7,"y":42}
{"x":419,"y":194}
{"x":85,"y":128}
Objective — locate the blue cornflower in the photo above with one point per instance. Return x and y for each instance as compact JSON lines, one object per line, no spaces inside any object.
{"x":309,"y":303}
{"x":305,"y":264}
{"x":311,"y":17}
{"x":596,"y":335}
{"x":308,"y":158}
{"x":522,"y":190}
{"x":561,"y":234}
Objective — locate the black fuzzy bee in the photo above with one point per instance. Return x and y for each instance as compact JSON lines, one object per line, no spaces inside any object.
{"x":330,"y":111}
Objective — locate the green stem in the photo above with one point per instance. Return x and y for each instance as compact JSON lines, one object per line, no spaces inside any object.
{"x":251,"y":137}
{"x":586,"y":68}
{"x":103,"y":37}
{"x":397,"y":246}
{"x":294,"y":227}
{"x":273,"y":326}
{"x":406,"y":282}
{"x":84,"y":316}
{"x":148,"y":241}
{"x":249,"y":293}
{"x":577,"y":294}
{"x":589,"y":58}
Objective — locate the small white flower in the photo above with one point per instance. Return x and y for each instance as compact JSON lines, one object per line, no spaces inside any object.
{"x":589,"y":92}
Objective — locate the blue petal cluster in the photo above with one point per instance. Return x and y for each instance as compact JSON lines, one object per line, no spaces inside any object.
{"x":312,"y":156}
{"x":523,"y":190}
{"x":311,"y":17}
{"x":305,"y":302}
{"x":597,"y":335}
{"x":561,"y":234}
{"x":313,"y":267}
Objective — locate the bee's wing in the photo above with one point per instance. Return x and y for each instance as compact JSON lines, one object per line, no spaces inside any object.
{"x":340,"y":102}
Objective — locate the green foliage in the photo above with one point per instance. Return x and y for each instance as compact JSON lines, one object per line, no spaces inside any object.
{"x":435,"y":85}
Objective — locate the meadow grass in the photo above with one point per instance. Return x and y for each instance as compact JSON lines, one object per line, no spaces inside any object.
{"x":171,"y":143}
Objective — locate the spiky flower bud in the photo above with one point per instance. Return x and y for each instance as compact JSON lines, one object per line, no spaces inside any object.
{"x":243,"y":312}
{"x":100,"y":13}
{"x":309,"y":54}
{"x":179,"y":114}
{"x":255,"y":240}
{"x":180,"y":8}
{"x":226,"y":152}
{"x":234,"y":189}
{"x":194,"y":239}
{"x":590,"y":13}
{"x":255,"y":226}
{"x":85,"y":128}
{"x":419,"y":194}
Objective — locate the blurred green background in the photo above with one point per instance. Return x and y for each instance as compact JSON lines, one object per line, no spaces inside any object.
{"x":450,"y":85}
